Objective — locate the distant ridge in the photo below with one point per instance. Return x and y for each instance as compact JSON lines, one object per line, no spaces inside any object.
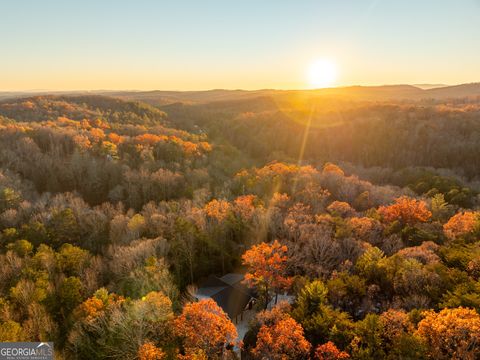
{"x":357,"y":92}
{"x":456,"y":91}
{"x":370,"y":93}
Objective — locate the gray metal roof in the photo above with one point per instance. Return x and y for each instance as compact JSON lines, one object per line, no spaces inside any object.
{"x":210,"y":291}
{"x":232,"y":278}
{"x":228,"y":292}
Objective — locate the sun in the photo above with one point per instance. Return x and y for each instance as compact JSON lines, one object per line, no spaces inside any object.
{"x":322,"y":73}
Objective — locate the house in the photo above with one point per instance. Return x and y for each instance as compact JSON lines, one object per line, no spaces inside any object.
{"x":229,"y":293}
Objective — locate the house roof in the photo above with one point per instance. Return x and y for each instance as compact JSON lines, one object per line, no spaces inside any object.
{"x":232,"y":278}
{"x":228,"y":292}
{"x":210,"y":291}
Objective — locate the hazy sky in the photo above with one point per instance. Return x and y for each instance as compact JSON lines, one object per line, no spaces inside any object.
{"x":249,"y":44}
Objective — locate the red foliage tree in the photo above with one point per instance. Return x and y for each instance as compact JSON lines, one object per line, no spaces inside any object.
{"x":205,"y":328}
{"x":115,"y":138}
{"x":267,"y":268}
{"x":406,"y":210}
{"x":329,"y":351}
{"x":282,"y":340}
{"x":461,"y":224}
{"x":96,"y":134}
{"x":217,"y":210}
{"x":244,"y":206}
{"x":150,"y":139}
{"x":148,"y":351}
{"x":451,"y":333}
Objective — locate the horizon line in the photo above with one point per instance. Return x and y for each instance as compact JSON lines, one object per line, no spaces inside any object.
{"x":417,"y":85}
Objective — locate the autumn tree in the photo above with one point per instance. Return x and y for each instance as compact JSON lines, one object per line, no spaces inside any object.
{"x":461,"y":224}
{"x":72,"y":260}
{"x":406,"y":210}
{"x":451,"y":334}
{"x":332,"y":169}
{"x":217,"y":212}
{"x":267,"y":268}
{"x":340,"y":208}
{"x":270,"y":317}
{"x":282,"y":340}
{"x":11,"y":331}
{"x":329,"y":351}
{"x":397,"y":336}
{"x":21,"y":247}
{"x":149,"y":351}
{"x":8,"y":198}
{"x":109,"y":326}
{"x":363,"y":227}
{"x":244,"y":207}
{"x":264,"y":318}
{"x":204,"y":326}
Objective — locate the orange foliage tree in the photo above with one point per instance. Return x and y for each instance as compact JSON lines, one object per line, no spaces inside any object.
{"x":461,"y":224}
{"x":198,"y":355}
{"x":278,"y":312}
{"x":329,"y":351}
{"x":451,"y":334}
{"x":362,"y":227}
{"x":395,"y":324}
{"x":340,"y":208}
{"x":244,"y":206}
{"x":205,"y":328}
{"x":274,"y":177}
{"x":217,"y":210}
{"x":406,"y":210}
{"x":282,"y":340}
{"x":150,"y":139}
{"x":332,"y":169}
{"x":96,"y":305}
{"x":148,"y":351}
{"x":82,"y":141}
{"x":96,"y":134}
{"x":189,"y":148}
{"x":267,"y":268}
{"x":115,"y":138}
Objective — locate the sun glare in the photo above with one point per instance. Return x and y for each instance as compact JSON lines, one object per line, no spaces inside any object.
{"x":322,"y":73}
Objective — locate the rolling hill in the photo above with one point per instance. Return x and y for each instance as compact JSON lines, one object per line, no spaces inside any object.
{"x":356,"y":93}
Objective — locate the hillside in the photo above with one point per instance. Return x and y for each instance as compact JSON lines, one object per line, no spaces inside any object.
{"x":359,"y":93}
{"x":385,"y":134}
{"x":90,"y":107}
{"x":103,"y":148}
{"x":114,"y":214}
{"x":457,"y":91}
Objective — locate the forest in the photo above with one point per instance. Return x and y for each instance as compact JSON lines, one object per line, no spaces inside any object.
{"x":364,"y":213}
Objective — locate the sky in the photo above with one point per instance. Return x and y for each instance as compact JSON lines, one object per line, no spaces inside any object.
{"x":231,"y":44}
